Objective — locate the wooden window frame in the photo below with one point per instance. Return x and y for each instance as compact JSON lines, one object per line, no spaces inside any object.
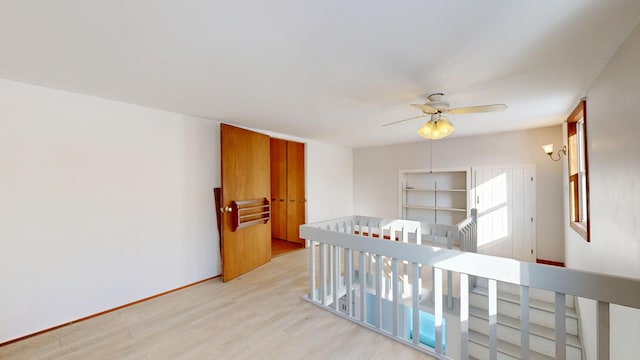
{"x":576,"y":211}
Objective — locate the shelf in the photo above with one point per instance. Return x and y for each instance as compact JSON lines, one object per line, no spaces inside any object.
{"x":438,"y":196}
{"x":433,"y":208}
{"x":425,"y":189}
{"x":452,"y":209}
{"x":420,"y":207}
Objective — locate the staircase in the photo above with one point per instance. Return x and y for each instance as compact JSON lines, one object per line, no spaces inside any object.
{"x":541,"y":324}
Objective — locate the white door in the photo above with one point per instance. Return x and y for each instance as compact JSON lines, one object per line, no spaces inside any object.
{"x":505,"y":199}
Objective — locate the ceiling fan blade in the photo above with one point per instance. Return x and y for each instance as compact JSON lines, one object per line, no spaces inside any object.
{"x":399,"y":121}
{"x":426,"y":108}
{"x":478,"y":109}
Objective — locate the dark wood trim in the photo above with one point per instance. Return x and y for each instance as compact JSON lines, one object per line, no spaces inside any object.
{"x":549,"y":262}
{"x":580,"y":112}
{"x":218,"y":204}
{"x":105,"y":312}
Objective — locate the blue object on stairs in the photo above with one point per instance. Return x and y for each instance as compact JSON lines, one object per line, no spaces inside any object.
{"x":427,"y":329}
{"x":427,"y":321}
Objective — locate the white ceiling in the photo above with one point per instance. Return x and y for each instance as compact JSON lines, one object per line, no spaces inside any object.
{"x":329,"y":70}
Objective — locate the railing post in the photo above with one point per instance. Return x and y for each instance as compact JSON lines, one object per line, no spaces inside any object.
{"x":449,"y":273}
{"x":348,"y":279}
{"x":524,"y":322}
{"x":464,"y":316}
{"x":415,"y":302}
{"x":493,"y":319}
{"x":312,"y":270}
{"x":602,"y":330}
{"x":561,"y":332}
{"x":437,"y":306}
{"x":323,"y":273}
{"x":378,"y":303}
{"x":335,"y":275}
{"x":395,"y":290}
{"x":363,"y":285}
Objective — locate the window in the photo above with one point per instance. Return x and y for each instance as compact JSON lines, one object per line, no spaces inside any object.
{"x":578,"y":170}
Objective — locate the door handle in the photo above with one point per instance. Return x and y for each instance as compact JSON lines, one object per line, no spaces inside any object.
{"x":226,"y":209}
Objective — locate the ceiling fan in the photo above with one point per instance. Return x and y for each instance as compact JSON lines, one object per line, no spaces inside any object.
{"x":438,"y":126}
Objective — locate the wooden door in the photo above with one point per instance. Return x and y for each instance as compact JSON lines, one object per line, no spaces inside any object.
{"x":279,"y":188}
{"x":505,"y":199}
{"x":245,"y":175}
{"x":296,"y":202}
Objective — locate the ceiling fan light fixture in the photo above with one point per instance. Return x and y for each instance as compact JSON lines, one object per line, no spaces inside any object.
{"x":436,"y":129}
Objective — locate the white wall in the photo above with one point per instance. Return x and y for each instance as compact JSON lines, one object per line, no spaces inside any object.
{"x":376,"y":174}
{"x":104,"y":203}
{"x":614,"y":188}
{"x":329,"y":181}
{"x":101,"y":204}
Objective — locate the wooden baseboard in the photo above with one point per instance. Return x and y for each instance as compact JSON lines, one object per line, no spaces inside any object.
{"x":549,"y":262}
{"x":105,"y":312}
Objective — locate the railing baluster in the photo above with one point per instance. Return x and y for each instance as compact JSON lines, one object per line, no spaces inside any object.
{"x":348,"y":279}
{"x":378,"y":291}
{"x":363,"y":284}
{"x":331,"y":261}
{"x":602,"y":330}
{"x":323,"y":273}
{"x":524,"y":322}
{"x":464,"y":316}
{"x":561,"y":333}
{"x":312,"y":270}
{"x":493,"y":319}
{"x":335,"y":276}
{"x":449,"y":289}
{"x":395,"y":290}
{"x":415,"y":302}
{"x":450,"y":236}
{"x":437,"y":280}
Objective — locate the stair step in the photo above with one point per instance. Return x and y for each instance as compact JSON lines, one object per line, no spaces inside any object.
{"x":505,"y":349}
{"x":533,"y":303}
{"x":534,"y":293}
{"x":541,"y":339}
{"x":540,"y":312}
{"x":534,"y":329}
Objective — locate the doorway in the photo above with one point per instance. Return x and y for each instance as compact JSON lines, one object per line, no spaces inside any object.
{"x":244,"y":200}
{"x":288,"y":199}
{"x":262,"y":200}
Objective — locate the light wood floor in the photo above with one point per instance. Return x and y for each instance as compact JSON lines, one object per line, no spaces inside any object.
{"x":279,"y":246}
{"x":260,"y":315}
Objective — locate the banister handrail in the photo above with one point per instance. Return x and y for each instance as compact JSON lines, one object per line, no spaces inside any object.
{"x":338,"y":238}
{"x":609,"y":288}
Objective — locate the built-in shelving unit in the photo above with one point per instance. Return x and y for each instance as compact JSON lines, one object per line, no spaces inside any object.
{"x":434,"y":196}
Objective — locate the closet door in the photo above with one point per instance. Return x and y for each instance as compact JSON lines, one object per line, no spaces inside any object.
{"x":505,"y":199}
{"x":296,"y":201}
{"x":279,"y":188}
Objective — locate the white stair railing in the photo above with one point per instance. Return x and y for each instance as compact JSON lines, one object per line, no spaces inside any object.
{"x":358,"y":273}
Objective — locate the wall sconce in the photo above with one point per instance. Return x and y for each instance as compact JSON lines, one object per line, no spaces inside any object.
{"x":548,"y":149}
